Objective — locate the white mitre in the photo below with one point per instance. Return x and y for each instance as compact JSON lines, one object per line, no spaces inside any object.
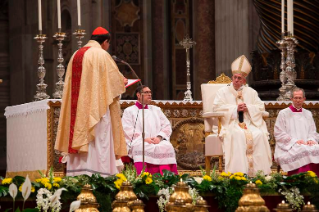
{"x":241,"y":66}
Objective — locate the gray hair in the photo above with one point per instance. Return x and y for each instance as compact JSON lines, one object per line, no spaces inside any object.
{"x":296,"y":89}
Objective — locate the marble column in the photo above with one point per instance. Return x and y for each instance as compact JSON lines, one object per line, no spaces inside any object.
{"x":204,"y":50}
{"x":160,"y":50}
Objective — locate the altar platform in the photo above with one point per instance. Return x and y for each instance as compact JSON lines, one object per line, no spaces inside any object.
{"x":32,"y":127}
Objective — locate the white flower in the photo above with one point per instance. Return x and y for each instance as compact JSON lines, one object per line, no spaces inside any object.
{"x":268,"y":178}
{"x":198,"y":179}
{"x":26,"y":188}
{"x":42,"y":200}
{"x":13,"y":191}
{"x":75,"y":205}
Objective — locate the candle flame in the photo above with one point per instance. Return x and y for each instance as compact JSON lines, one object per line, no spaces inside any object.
{"x":308,"y":203}
{"x":283,"y":202}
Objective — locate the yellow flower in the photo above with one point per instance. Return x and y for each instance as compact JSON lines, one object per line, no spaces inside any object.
{"x":48,"y":185}
{"x":237,"y":178}
{"x":312,"y":174}
{"x":258,"y":182}
{"x":32,"y":189}
{"x":56,"y":185}
{"x":6,"y":181}
{"x":240,"y":174}
{"x":220,"y":178}
{"x":243,"y":178}
{"x":148,"y":180}
{"x":224,"y":174}
{"x":20,"y":188}
{"x":316,"y":181}
{"x":231,"y":177}
{"x":38,"y":180}
{"x":45,"y":181}
{"x":121,"y":176}
{"x":118,"y":183}
{"x":208,"y":178}
{"x":57,"y":179}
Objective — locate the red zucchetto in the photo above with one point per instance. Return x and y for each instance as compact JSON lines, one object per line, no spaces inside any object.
{"x":100,"y":31}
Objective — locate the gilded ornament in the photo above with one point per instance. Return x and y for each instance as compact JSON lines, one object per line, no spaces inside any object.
{"x":137,"y":206}
{"x":126,"y":192}
{"x":181,"y":197}
{"x":88,"y":200}
{"x":309,"y":208}
{"x":251,"y":200}
{"x":283,"y":207}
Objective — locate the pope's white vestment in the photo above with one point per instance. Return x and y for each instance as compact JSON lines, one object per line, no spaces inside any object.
{"x":245,"y":150}
{"x":156,"y":124}
{"x":290,"y":127}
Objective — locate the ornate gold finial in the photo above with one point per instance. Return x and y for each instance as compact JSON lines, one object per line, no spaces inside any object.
{"x":201,"y":206}
{"x":221,"y":79}
{"x":180,"y":197}
{"x":88,"y":200}
{"x":137,"y":206}
{"x":283,"y":207}
{"x":309,"y":207}
{"x":120,"y":205}
{"x":180,"y":206}
{"x":251,"y":200}
{"x":126,"y":192}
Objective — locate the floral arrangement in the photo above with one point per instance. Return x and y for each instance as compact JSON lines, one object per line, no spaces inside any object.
{"x":51,"y":192}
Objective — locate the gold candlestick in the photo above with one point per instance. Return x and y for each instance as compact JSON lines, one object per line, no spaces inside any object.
{"x":41,"y":86}
{"x":88,"y":200}
{"x":309,"y":207}
{"x":59,"y":36}
{"x":79,"y":34}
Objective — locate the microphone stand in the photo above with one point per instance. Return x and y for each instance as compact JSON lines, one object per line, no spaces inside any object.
{"x":143,"y":121}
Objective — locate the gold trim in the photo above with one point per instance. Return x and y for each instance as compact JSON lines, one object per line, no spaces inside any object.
{"x":221,"y":79}
{"x":32,"y":174}
{"x":241,"y":63}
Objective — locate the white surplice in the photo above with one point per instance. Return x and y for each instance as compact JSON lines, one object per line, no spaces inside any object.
{"x":290,"y":127}
{"x":234,"y":139}
{"x":156,"y":124}
{"x":100,"y":158}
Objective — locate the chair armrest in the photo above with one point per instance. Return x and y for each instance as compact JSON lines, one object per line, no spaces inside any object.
{"x":213,"y":114}
{"x":265,"y":114}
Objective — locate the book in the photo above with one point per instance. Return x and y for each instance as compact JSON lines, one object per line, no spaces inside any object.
{"x":132,"y":82}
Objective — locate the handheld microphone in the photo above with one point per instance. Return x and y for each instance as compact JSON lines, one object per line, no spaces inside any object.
{"x":241,"y":116}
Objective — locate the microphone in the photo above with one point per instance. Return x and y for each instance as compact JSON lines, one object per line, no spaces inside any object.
{"x":241,"y":116}
{"x":122,"y":61}
{"x":118,"y":60}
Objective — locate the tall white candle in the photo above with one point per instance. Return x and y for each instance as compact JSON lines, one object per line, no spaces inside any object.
{"x":79,"y":12}
{"x":39,"y":15}
{"x":282,"y":15}
{"x":289,"y":15}
{"x":59,"y":13}
{"x":292,"y":17}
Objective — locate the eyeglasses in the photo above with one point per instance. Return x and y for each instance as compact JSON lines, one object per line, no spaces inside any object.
{"x":147,"y":92}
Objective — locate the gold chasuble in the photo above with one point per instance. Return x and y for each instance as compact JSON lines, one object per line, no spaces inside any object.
{"x":97,"y":85}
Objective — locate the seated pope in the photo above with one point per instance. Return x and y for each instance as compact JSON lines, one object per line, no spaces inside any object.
{"x":244,"y":132}
{"x":297,"y":149}
{"x":159,"y":152}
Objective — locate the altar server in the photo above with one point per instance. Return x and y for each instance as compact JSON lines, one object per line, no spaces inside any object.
{"x":297,"y":149}
{"x":159,"y":152}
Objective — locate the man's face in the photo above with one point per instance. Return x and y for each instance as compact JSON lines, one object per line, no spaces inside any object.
{"x":238,"y":81}
{"x":298,"y":99}
{"x":105,"y":45}
{"x":147,"y":93}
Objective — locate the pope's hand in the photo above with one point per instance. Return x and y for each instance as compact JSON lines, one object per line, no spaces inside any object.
{"x":242,"y":107}
{"x":125,"y":81}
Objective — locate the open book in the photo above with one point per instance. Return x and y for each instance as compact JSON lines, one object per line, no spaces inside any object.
{"x":132,"y":82}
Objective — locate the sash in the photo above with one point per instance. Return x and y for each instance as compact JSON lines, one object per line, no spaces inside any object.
{"x":75,"y":90}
